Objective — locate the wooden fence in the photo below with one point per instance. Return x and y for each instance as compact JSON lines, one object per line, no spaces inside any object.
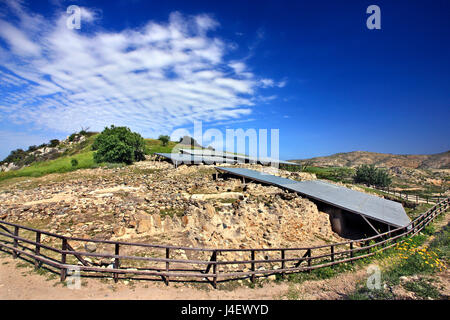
{"x":171,"y":263}
{"x":411,"y":197}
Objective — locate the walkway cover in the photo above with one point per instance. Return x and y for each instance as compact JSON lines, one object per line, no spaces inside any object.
{"x":179,"y":158}
{"x":369,"y":206}
{"x":238,"y":157}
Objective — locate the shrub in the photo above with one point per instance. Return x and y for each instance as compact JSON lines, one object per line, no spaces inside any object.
{"x":32,"y":148}
{"x":29,"y":160}
{"x":16,"y":157}
{"x":164,"y":139}
{"x":53,"y":143}
{"x":372,"y":176}
{"x":74,"y":162}
{"x":119,"y":145}
{"x":73,"y":136}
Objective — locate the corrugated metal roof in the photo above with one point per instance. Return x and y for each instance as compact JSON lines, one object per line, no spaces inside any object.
{"x":370,"y":206}
{"x":179,"y":158}
{"x":238,"y":157}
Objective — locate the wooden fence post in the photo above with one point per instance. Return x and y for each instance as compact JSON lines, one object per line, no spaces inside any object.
{"x":116,"y":262}
{"x":309,"y":259}
{"x":214,"y":258}
{"x":63,"y":260}
{"x":332,"y":253}
{"x":253,"y":266}
{"x":167,"y":265}
{"x":351,"y":251}
{"x":16,"y":242}
{"x":37,"y":250}
{"x":283,"y":264}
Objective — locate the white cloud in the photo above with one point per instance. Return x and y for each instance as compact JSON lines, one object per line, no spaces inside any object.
{"x":17,"y":40}
{"x":237,"y":66}
{"x":152,"y":78}
{"x":269,"y":83}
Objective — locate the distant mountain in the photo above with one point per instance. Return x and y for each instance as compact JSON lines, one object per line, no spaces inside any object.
{"x":356,"y":158}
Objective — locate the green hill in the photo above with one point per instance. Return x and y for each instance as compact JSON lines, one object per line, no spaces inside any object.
{"x":60,"y":159}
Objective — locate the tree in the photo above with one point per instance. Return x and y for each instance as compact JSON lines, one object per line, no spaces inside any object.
{"x":32,"y":148}
{"x":53,"y":143}
{"x":119,"y":145}
{"x":164,"y":139}
{"x":370,"y":175}
{"x":16,"y":157}
{"x":305,"y":164}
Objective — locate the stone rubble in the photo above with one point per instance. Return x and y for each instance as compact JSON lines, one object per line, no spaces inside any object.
{"x":153,"y":202}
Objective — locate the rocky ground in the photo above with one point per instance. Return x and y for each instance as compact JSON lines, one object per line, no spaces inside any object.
{"x":153,"y":202}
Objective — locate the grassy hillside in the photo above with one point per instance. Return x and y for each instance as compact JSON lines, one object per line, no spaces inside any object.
{"x":155,"y":146}
{"x":60,"y":165}
{"x":336,"y":174}
{"x":357,"y":158}
{"x":83,"y":153}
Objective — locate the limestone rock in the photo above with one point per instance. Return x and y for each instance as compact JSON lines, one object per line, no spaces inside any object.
{"x":144,"y":225}
{"x":119,"y":231}
{"x":90,"y":247}
{"x":209,"y":210}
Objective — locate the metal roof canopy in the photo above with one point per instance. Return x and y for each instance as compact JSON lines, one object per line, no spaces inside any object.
{"x":238,"y":157}
{"x":368,"y":206}
{"x":179,"y":158}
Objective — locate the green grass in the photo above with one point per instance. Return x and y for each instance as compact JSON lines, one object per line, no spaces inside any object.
{"x":155,"y":146}
{"x":364,"y":293}
{"x":171,"y":212}
{"x":413,"y":261}
{"x":423,"y":289}
{"x":319,"y":274}
{"x":337,"y":174}
{"x":81,"y":152}
{"x":60,"y":165}
{"x":417,"y":210}
{"x":441,"y":243}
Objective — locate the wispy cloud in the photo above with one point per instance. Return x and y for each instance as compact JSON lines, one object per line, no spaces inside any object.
{"x":152,"y":78}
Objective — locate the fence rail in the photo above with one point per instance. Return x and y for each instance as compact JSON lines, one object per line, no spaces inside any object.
{"x":171,"y":263}
{"x":411,"y":197}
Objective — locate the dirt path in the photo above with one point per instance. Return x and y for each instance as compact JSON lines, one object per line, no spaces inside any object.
{"x":18,"y":280}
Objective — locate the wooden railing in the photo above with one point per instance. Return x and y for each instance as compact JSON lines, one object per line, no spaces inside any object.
{"x":411,"y":197}
{"x":170,"y":263}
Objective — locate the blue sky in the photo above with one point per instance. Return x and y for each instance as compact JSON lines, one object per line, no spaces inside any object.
{"x":311,"y":69}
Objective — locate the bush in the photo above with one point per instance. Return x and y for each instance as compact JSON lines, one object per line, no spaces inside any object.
{"x":372,"y":176}
{"x":53,"y":143}
{"x":164,"y":139}
{"x":73,"y":136}
{"x":16,"y":157}
{"x":32,"y":148}
{"x":119,"y":145}
{"x":74,"y":162}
